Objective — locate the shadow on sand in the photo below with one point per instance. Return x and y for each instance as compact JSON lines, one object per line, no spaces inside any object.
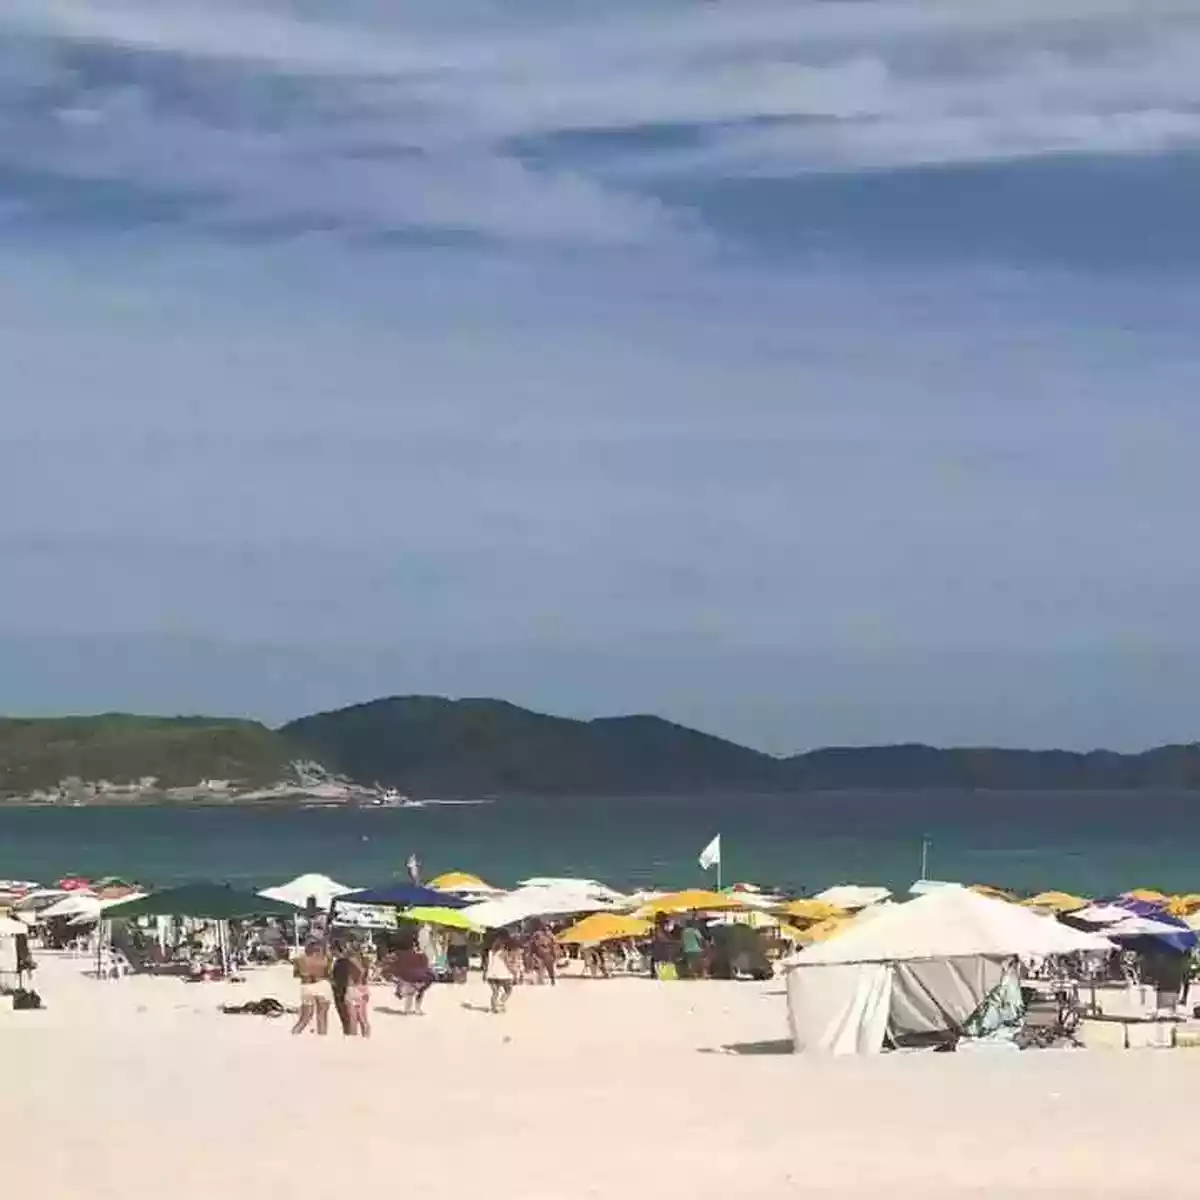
{"x":774,"y":1046}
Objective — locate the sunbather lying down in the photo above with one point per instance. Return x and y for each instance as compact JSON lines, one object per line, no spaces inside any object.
{"x":268,"y":1006}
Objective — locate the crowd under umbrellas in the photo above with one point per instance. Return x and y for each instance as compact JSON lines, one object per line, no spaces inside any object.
{"x":950,"y":965}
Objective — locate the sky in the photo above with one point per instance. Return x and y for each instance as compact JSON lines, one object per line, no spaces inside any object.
{"x":808,"y":371}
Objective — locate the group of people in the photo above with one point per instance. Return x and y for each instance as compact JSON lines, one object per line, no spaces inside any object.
{"x":336,"y":977}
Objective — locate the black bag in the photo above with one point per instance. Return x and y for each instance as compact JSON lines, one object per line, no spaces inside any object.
{"x":23,"y":998}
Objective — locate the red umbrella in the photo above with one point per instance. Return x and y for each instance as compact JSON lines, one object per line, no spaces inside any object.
{"x":72,"y":883}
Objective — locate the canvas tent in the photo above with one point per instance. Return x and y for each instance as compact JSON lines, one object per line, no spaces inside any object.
{"x":915,"y":969}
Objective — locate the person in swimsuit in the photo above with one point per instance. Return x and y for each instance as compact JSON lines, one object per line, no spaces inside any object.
{"x":316,"y":992}
{"x":358,"y":993}
{"x":410,"y":967}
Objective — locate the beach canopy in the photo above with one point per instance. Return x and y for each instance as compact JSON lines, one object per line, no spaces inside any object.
{"x":916,"y":970}
{"x":1059,"y":902}
{"x":404,"y":895}
{"x":529,"y":902}
{"x":74,"y":904}
{"x":604,"y":927}
{"x":952,"y":922}
{"x":853,"y":895}
{"x":1161,"y":933}
{"x":462,"y":881}
{"x":809,"y":910}
{"x":205,"y":901}
{"x":445,"y":918}
{"x":319,"y":888}
{"x":690,"y":900}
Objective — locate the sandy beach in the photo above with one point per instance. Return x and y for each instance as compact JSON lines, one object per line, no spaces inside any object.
{"x":141,"y":1088}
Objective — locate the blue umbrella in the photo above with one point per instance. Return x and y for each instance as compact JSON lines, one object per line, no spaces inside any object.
{"x":1157,"y":931}
{"x":404,"y":895}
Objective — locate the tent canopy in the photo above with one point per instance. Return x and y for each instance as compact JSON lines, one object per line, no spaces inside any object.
{"x":300,"y":890}
{"x":405,"y":895}
{"x":951,"y":922}
{"x":206,"y":901}
{"x":853,"y":895}
{"x":529,"y":902}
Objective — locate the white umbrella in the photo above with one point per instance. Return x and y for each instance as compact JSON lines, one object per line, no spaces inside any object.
{"x":852,"y":895}
{"x":11,"y":928}
{"x":528,"y":902}
{"x":74,"y":904}
{"x":300,"y":890}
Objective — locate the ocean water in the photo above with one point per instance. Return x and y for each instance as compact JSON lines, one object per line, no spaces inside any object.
{"x":1089,"y":842}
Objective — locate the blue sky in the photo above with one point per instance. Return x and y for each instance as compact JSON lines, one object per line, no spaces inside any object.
{"x":810,"y":372}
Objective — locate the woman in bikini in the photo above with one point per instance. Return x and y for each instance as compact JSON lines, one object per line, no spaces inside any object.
{"x":316,"y":992}
{"x":358,"y":993}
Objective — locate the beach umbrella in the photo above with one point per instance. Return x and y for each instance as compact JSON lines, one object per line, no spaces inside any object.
{"x":790,"y":933}
{"x":446,"y":918}
{"x":604,"y":927}
{"x":824,"y":930}
{"x":405,"y":895}
{"x":74,"y":904}
{"x":1059,"y":902}
{"x":753,"y":918}
{"x":810,"y":910}
{"x":1182,"y":906}
{"x":11,"y":928}
{"x":319,"y":888}
{"x":853,"y":895}
{"x":690,"y":900}
{"x":1169,"y":933}
{"x":204,"y":901}
{"x":986,"y":889}
{"x":73,"y":883}
{"x":462,"y":881}
{"x":1146,"y":896}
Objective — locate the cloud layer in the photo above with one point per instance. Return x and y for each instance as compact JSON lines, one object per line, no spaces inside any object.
{"x":378,"y":118}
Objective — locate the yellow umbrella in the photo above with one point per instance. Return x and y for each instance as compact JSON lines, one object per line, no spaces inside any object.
{"x":692,"y":900}
{"x":459,"y":881}
{"x":790,"y":933}
{"x":810,"y":910}
{"x":1147,"y":895}
{"x":604,"y":927}
{"x":1182,"y":906}
{"x":1060,"y":902}
{"x":448,"y":918}
{"x":824,"y":930}
{"x":995,"y":893}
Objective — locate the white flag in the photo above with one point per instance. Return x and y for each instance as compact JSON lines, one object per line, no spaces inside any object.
{"x":710,"y":856}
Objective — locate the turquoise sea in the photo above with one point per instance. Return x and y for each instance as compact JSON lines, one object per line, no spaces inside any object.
{"x":1089,"y":842}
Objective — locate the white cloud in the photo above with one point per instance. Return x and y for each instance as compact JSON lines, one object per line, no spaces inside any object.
{"x":376,"y":118}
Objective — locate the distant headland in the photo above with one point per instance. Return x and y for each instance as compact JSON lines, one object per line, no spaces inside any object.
{"x":427,"y":746}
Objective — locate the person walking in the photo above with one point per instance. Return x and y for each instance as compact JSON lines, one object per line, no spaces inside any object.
{"x":503,"y":966}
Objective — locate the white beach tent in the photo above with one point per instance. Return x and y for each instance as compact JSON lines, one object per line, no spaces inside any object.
{"x":536,"y":901}
{"x":322,"y":890}
{"x":914,"y":968}
{"x":852,"y":895}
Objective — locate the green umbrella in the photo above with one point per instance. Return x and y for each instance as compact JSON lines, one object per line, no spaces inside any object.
{"x":449,"y":918}
{"x":207,"y":901}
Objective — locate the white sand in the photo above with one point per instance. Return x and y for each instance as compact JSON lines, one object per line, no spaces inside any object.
{"x":140,"y":1090}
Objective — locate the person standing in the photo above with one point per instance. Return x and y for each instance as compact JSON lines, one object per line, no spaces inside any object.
{"x":312,"y":969}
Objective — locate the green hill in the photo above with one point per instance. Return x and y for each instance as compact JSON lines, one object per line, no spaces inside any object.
{"x":120,"y":748}
{"x":426,"y":745}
